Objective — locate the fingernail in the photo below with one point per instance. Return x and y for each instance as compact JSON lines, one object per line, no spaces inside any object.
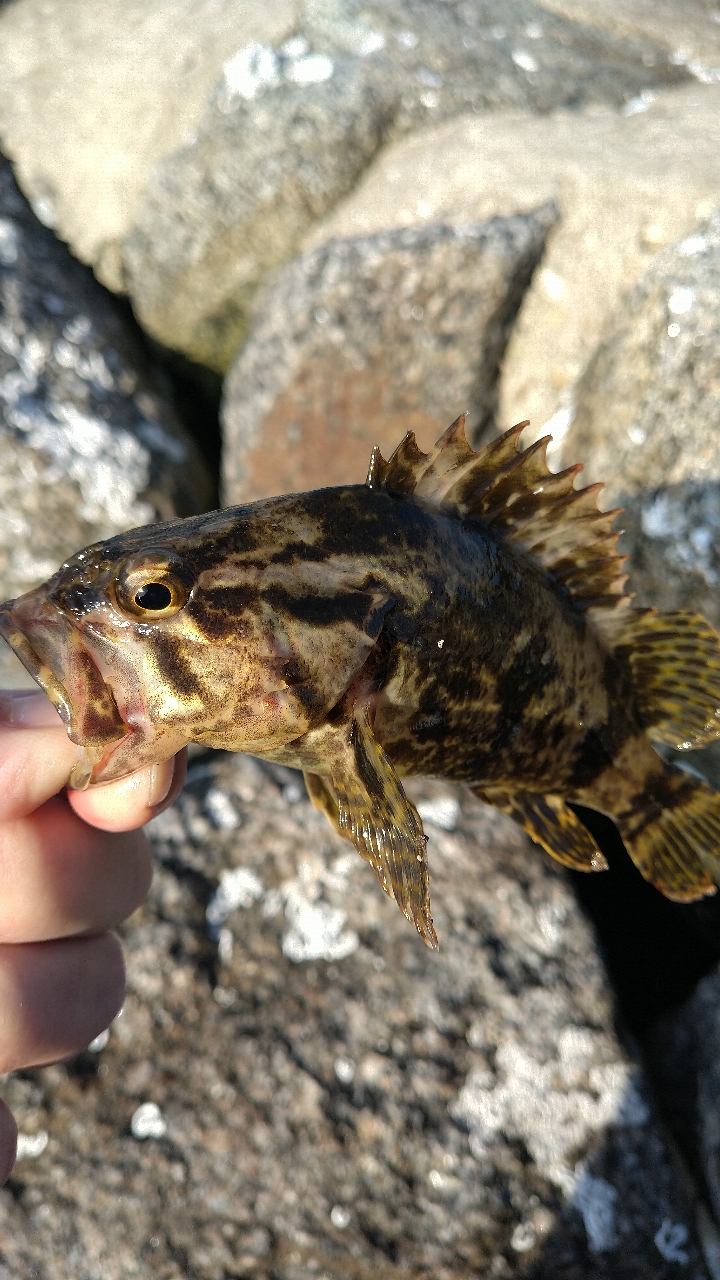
{"x":160,"y":782}
{"x":27,"y":709}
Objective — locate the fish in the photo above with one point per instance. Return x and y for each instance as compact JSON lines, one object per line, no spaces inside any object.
{"x":460,"y":615}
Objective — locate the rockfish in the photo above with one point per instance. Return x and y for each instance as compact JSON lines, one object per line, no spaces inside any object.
{"x":462,"y":615}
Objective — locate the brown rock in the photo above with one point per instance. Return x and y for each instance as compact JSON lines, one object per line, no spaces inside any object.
{"x":364,"y":339}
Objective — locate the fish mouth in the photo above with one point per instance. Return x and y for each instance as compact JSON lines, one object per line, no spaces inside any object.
{"x":52,"y":650}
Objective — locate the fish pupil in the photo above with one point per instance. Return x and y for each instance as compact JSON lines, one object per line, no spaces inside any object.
{"x":154,"y":595}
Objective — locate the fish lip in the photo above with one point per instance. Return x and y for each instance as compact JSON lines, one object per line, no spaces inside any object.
{"x":47,"y":642}
{"x":32,"y":661}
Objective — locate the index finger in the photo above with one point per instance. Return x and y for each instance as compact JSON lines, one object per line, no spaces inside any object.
{"x":36,"y":757}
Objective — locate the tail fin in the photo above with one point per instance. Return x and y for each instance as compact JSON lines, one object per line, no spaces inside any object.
{"x":673,"y":835}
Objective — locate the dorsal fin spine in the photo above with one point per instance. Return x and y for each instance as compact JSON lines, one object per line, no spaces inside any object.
{"x":539,"y":511}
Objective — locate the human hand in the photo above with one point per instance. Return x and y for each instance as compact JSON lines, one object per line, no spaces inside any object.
{"x":73,"y":865}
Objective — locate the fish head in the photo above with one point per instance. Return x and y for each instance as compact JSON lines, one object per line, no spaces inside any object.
{"x":237,"y":630}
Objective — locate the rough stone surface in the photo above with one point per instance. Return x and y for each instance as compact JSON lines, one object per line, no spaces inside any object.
{"x":298,"y":1087}
{"x":647,"y":423}
{"x":94,"y":92}
{"x":186,"y":191}
{"x":684,"y":1048}
{"x":194,"y":262}
{"x":626,"y":185}
{"x":89,"y":441}
{"x":648,"y":406}
{"x":689,"y":30}
{"x":363,"y":339}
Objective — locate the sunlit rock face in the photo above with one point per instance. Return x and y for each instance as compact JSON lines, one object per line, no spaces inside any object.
{"x":297,"y":1086}
{"x":627,"y":183}
{"x":170,"y":109}
{"x":646,"y":422}
{"x":90,"y":443}
{"x":365,"y":338}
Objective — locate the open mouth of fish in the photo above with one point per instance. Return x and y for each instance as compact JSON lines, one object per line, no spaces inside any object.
{"x":51,"y":649}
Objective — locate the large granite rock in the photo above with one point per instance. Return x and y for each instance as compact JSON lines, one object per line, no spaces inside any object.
{"x":90,"y":443}
{"x":94,"y":92}
{"x":647,"y":422}
{"x":363,"y":339}
{"x":684,"y":1051}
{"x":298,"y":1087}
{"x":626,"y":184}
{"x":688,"y":29}
{"x":184,"y":177}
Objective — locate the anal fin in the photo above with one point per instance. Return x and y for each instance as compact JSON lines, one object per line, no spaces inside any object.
{"x":365,"y":802}
{"x":550,"y":823}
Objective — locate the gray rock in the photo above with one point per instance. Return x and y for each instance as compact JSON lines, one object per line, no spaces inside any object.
{"x":290,"y":131}
{"x":297,"y":1086}
{"x":689,"y":30}
{"x":648,"y":405}
{"x":89,"y":441}
{"x":627,"y":184}
{"x":647,"y":422}
{"x":94,"y":92}
{"x":684,"y":1048}
{"x":358,"y":341}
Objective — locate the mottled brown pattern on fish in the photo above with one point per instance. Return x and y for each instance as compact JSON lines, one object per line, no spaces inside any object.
{"x":461,"y":615}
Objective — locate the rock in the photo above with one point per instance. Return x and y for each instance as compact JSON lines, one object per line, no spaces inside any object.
{"x":689,"y":30}
{"x":363,"y":339}
{"x":297,"y":1086}
{"x":626,"y":184}
{"x":646,"y":422}
{"x":90,"y":443}
{"x":94,"y":92}
{"x":684,"y":1048}
{"x":185,"y":178}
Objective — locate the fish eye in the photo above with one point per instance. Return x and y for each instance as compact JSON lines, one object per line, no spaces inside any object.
{"x":153,"y":584}
{"x":154,"y":595}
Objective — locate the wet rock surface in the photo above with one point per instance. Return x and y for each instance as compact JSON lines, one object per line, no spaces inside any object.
{"x":90,"y":442}
{"x":297,"y":1086}
{"x":364,"y":339}
{"x":303,"y":104}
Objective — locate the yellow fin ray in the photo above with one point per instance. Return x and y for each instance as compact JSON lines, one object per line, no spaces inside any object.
{"x":675,"y":663}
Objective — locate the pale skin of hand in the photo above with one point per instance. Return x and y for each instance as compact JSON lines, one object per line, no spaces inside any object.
{"x":73,"y":865}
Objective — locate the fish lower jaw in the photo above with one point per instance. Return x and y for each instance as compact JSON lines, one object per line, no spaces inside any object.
{"x":33,"y":663}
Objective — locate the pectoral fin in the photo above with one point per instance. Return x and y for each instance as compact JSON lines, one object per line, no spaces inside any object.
{"x":323,"y":797}
{"x":367,"y":805}
{"x":549,"y":821}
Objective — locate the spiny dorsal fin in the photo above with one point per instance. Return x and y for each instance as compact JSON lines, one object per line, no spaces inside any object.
{"x":541,"y":512}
